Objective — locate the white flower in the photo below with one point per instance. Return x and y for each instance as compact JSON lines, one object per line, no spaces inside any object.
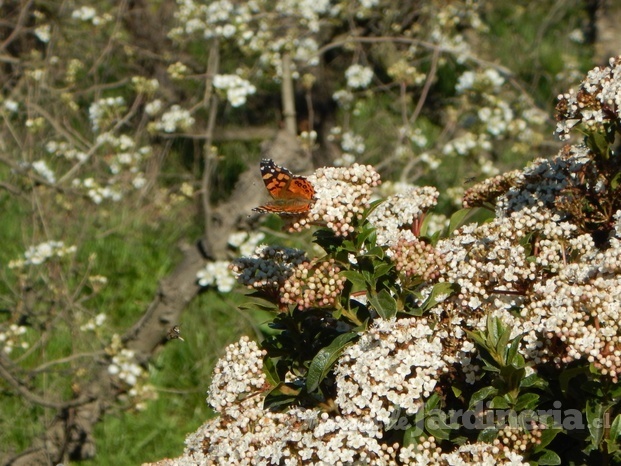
{"x":174,"y":120}
{"x":358,"y":76}
{"x":40,"y":166}
{"x":237,"y":89}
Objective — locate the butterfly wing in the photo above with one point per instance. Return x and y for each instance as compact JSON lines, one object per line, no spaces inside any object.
{"x":291,"y":194}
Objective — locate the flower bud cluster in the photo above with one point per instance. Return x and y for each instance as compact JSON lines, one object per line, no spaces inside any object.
{"x":415,"y":258}
{"x":313,"y":284}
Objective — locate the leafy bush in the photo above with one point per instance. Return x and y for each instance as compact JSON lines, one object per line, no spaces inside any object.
{"x":488,"y":343}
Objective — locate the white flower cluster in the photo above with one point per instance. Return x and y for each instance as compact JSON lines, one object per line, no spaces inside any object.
{"x":11,"y":336}
{"x":11,"y":105}
{"x":218,"y":274}
{"x":245,"y":242}
{"x":358,"y":76}
{"x":89,"y":14}
{"x":219,"y":18}
{"x":401,"y":211}
{"x":37,"y":255}
{"x":125,"y":367}
{"x":567,"y":289}
{"x":351,"y":142}
{"x":467,"y":144}
{"x":94,"y":323}
{"x":237,"y":89}
{"x":395,"y":365}
{"x":125,"y":153}
{"x":597,"y":101}
{"x":343,"y":98}
{"x":44,"y":33}
{"x":237,"y":376}
{"x":480,"y":454}
{"x":95,"y":191}
{"x":175,"y":119}
{"x":343,"y":193}
{"x":41,"y":167}
{"x":63,"y":149}
{"x":104,"y":111}
{"x":299,"y":436}
{"x":489,"y":79}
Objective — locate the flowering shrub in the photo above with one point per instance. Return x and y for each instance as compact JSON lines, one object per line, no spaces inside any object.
{"x":497,"y":343}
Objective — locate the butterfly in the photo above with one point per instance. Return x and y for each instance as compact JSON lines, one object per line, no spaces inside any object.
{"x":291,"y":194}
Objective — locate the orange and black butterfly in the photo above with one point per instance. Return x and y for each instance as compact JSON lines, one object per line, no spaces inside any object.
{"x":291,"y":194}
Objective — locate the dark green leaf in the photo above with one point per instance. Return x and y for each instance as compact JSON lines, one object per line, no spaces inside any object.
{"x":481,"y":395}
{"x":384,"y":304}
{"x":614,"y":436}
{"x":595,"y":420}
{"x":527,"y":401}
{"x":488,"y":435}
{"x":271,"y":374}
{"x":325,"y":358}
{"x":356,"y":279}
{"x":548,"y":457}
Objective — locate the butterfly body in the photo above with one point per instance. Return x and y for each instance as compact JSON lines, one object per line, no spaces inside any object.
{"x":291,"y":194}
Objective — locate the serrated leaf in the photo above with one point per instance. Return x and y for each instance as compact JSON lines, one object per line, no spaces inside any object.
{"x":325,"y":358}
{"x":384,"y":304}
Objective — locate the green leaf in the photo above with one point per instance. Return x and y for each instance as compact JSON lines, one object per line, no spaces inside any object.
{"x":280,"y":396}
{"x":527,"y":401}
{"x":271,"y":374}
{"x":481,"y":395}
{"x":547,"y":435}
{"x":376,"y":251}
{"x":614,"y":436}
{"x":382,"y":269}
{"x":567,"y":375}
{"x":548,"y":457}
{"x":595,"y":420}
{"x":488,"y":435}
{"x":325,"y":358}
{"x":384,"y":304}
{"x":457,"y":219}
{"x":438,"y":293}
{"x":512,"y":351}
{"x":437,"y":427}
{"x":534,"y":381}
{"x":357,"y":279}
{"x":499,"y":402}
